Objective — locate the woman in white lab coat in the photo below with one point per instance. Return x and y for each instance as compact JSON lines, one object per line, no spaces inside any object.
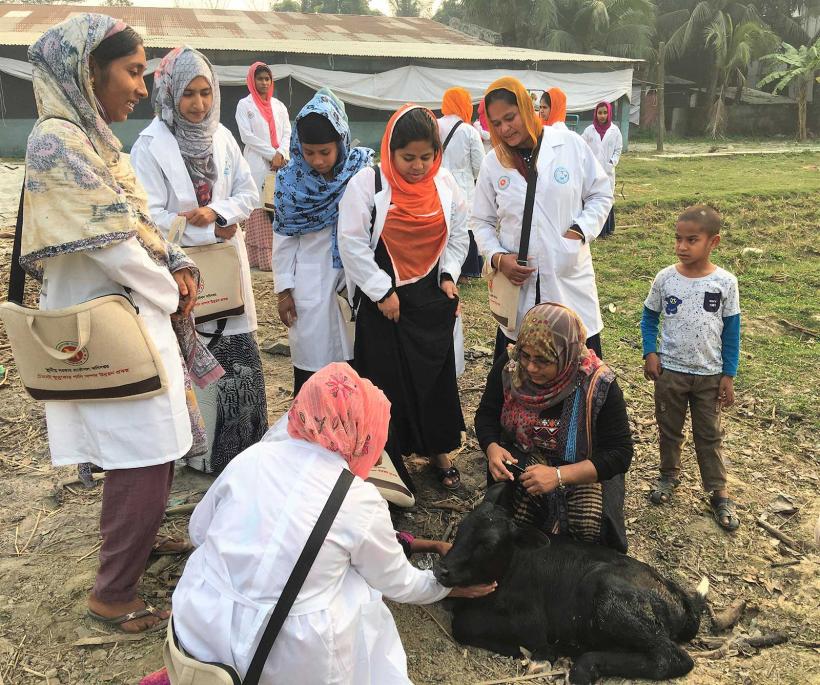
{"x":572,"y":200}
{"x":253,"y":523}
{"x":483,"y":128}
{"x":401,"y":266}
{"x":463,"y":154}
{"x":607,"y":142}
{"x":264,"y":128}
{"x":191,"y":167}
{"x":308,"y":271}
{"x":86,"y":234}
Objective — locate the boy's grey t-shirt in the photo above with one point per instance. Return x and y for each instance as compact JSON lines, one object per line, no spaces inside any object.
{"x":692,"y":311}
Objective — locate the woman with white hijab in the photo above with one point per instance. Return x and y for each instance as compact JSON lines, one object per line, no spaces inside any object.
{"x":253,"y":523}
{"x":191,"y":167}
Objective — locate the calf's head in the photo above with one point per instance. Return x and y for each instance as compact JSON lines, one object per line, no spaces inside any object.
{"x":484,"y":546}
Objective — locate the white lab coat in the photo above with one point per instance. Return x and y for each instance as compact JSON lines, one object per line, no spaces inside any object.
{"x":572,"y":188}
{"x":120,"y":434}
{"x":161,"y":170}
{"x":255,"y":136}
{"x":607,"y":149}
{"x":249,"y":530}
{"x":357,"y":243}
{"x":464,"y":153}
{"x":305,"y":265}
{"x":485,"y":136}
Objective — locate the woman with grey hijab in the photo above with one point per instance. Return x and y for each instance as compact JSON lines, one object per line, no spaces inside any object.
{"x":191,"y":167}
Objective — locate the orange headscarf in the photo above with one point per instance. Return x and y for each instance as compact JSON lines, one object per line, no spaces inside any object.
{"x":415,"y":232}
{"x":528,"y":116}
{"x":263,"y":106}
{"x":558,"y":106}
{"x":458,"y":101}
{"x":344,"y":413}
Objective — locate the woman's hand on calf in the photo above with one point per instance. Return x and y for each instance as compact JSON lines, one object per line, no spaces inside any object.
{"x":473,"y":591}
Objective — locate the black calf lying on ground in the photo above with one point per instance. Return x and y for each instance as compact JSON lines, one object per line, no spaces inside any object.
{"x":615,"y":615}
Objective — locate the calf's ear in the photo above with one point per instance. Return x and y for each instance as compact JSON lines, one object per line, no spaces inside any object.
{"x":500,"y":494}
{"x":529,"y":537}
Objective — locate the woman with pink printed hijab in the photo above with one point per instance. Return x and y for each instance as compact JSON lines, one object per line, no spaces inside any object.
{"x":252,"y":526}
{"x":606,"y":142}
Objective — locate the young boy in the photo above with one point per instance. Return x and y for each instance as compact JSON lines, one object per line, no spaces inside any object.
{"x":700,"y":346}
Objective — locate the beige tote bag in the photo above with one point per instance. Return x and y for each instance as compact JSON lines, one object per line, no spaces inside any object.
{"x":96,"y":350}
{"x":503,"y":295}
{"x":185,"y":670}
{"x":390,"y":486}
{"x":268,"y":191}
{"x":220,"y":275}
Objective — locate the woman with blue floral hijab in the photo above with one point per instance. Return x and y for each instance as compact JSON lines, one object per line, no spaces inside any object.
{"x":307,"y":267}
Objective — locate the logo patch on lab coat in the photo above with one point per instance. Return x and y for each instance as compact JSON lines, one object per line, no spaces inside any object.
{"x":561,"y":175}
{"x":504,"y":183}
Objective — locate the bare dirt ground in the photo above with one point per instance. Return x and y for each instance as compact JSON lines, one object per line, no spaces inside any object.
{"x":49,"y":538}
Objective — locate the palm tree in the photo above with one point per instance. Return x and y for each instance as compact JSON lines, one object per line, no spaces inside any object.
{"x":734,"y":46}
{"x":623,"y":28}
{"x":521,"y":23}
{"x":798,"y":64}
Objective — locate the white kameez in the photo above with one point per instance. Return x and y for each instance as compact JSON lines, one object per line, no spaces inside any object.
{"x":304,"y":264}
{"x":607,"y":149}
{"x":158,"y":164}
{"x":249,"y":530}
{"x":120,"y":434}
{"x":255,"y":135}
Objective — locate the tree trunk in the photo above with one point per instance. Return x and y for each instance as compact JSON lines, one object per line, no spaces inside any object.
{"x":802,"y":97}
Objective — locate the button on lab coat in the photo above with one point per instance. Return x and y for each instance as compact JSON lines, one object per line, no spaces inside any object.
{"x":255,"y":136}
{"x":250,"y":528}
{"x":159,"y":166}
{"x":572,"y":188}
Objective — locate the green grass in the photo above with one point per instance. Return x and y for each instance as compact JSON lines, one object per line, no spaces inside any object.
{"x":700,"y":179}
{"x":771,"y":204}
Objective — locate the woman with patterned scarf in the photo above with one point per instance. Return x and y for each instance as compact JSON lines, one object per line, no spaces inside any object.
{"x":553,"y":419}
{"x":191,"y":167}
{"x":308,"y":269}
{"x":87,"y":232}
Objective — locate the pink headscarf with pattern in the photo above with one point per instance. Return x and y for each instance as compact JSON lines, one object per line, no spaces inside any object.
{"x":344,"y":413}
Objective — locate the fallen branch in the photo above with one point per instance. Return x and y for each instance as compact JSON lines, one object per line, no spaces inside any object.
{"x":521,"y":678}
{"x":119,"y":637}
{"x":74,"y":481}
{"x":779,"y":534}
{"x":441,"y":627}
{"x":31,"y":535}
{"x":181,"y":509}
{"x":781,"y":564}
{"x":743,"y":645}
{"x":801,"y":329}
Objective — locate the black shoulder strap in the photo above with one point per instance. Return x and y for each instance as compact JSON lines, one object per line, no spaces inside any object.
{"x":450,"y":136}
{"x":17,"y":276}
{"x":529,"y":203}
{"x":297,"y":577}
{"x":377,"y":187}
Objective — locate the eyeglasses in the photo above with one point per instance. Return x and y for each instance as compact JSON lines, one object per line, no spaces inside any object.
{"x":537,"y":362}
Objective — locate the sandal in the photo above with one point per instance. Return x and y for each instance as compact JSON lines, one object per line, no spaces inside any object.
{"x":724,"y":508}
{"x":450,"y":473}
{"x":117,"y":622}
{"x":167,"y":546}
{"x":661,"y":493}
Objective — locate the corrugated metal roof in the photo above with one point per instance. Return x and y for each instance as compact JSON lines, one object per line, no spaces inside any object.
{"x":283,"y":32}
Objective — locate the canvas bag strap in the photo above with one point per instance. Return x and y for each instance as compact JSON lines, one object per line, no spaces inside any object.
{"x":450,"y":136}
{"x":17,"y":276}
{"x":297,"y":577}
{"x":529,"y":204}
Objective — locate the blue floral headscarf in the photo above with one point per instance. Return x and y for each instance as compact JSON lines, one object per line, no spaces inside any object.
{"x":305,"y":201}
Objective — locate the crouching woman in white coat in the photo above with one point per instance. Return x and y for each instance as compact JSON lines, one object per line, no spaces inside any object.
{"x":572,"y":200}
{"x":191,"y":166}
{"x":253,"y":523}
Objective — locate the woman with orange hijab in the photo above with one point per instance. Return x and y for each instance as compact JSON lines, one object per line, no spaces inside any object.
{"x":573,"y":197}
{"x":463,"y":154}
{"x":403,"y":246}
{"x":553,"y":109}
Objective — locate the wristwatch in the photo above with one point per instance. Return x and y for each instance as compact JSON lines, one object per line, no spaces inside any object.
{"x":220,"y":220}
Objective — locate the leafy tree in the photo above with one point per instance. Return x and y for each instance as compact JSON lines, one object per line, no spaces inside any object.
{"x":521,"y":23}
{"x":733,"y":46}
{"x":410,"y":8}
{"x":795,"y":65}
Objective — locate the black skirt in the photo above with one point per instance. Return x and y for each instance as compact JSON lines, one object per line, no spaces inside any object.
{"x":413,"y":362}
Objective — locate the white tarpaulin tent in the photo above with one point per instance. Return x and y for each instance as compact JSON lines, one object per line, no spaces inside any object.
{"x":389,"y":90}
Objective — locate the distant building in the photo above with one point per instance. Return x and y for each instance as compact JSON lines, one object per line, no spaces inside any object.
{"x":374,"y":63}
